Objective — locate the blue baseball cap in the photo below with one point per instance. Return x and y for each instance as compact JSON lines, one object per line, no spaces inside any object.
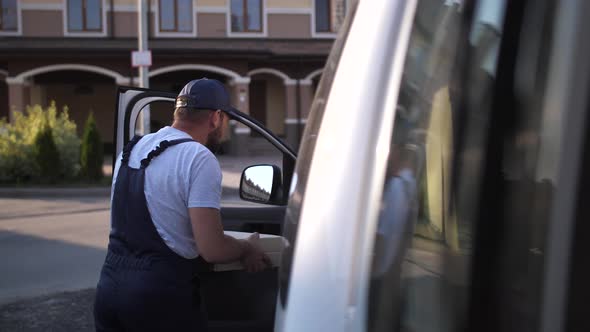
{"x":204,"y":94}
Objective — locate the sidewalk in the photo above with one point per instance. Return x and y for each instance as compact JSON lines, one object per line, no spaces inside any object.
{"x":231,"y":166}
{"x":7,"y":192}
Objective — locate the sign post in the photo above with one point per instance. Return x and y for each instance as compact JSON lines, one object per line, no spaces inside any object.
{"x":143,"y":59}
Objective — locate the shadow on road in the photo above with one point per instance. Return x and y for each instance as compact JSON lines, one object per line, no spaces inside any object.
{"x":33,"y":265}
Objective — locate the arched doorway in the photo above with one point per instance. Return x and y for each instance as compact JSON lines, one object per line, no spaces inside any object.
{"x":268,"y":101}
{"x":314,"y":78}
{"x":83,"y":88}
{"x":82,"y":92}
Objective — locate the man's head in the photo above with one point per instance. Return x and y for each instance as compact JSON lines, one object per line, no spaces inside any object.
{"x":402,"y":145}
{"x":199,"y":111}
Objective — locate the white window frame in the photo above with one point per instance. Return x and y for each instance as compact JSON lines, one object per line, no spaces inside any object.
{"x":124,"y":8}
{"x":211,"y":9}
{"x":175,"y":34}
{"x":19,"y":22}
{"x":102,"y":33}
{"x":264,"y":18}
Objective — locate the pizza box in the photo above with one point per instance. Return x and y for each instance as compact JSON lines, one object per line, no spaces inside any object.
{"x":272,"y":245}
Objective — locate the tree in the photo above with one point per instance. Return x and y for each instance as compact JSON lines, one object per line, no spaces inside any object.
{"x":47,"y":155}
{"x":18,"y":152}
{"x":92,"y":151}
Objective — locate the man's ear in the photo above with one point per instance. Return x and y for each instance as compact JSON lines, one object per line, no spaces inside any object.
{"x":215,"y":119}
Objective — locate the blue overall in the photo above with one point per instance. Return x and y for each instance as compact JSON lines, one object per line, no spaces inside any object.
{"x":144,"y":285}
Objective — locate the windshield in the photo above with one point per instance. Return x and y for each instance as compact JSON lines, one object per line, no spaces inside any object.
{"x":309,"y":139}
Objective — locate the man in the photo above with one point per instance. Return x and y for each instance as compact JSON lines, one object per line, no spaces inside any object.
{"x":164,"y":215}
{"x":399,"y":201}
{"x":395,"y":227}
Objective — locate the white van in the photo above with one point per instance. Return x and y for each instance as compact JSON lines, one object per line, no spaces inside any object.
{"x":443,"y":174}
{"x":440,"y":181}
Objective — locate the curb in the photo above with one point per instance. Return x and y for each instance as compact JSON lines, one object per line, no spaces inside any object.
{"x":55,"y":192}
{"x":7,"y":192}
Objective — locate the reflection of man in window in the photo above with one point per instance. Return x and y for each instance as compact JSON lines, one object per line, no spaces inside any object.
{"x":398,"y":205}
{"x":395,"y":227}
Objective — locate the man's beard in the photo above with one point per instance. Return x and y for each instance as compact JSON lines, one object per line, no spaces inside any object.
{"x":214,"y":140}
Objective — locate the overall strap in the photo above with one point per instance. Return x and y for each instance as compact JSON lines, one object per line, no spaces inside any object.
{"x":161,"y":148}
{"x":127,"y":149}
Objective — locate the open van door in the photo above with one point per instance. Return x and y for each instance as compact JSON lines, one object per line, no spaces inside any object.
{"x":235,"y":300}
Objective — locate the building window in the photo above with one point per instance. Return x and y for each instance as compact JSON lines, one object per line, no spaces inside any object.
{"x":84,"y":15}
{"x":329,"y":15}
{"x":8,"y":15}
{"x":246,"y":15}
{"x":176,"y":15}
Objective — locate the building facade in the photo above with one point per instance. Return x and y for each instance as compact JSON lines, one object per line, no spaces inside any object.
{"x":269,"y":53}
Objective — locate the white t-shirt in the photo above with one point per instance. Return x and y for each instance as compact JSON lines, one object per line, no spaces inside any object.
{"x":394,"y":218}
{"x":184,"y":176}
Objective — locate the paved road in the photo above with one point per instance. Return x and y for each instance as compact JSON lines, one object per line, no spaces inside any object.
{"x":49,"y":245}
{"x":54,"y":244}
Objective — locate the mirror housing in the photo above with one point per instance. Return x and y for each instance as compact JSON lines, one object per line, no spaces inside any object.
{"x":262,"y":184}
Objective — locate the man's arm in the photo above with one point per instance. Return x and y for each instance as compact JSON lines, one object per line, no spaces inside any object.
{"x":203,"y":206}
{"x":216,"y":247}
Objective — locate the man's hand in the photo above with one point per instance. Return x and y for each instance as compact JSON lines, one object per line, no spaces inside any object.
{"x":254,"y":259}
{"x":216,"y":247}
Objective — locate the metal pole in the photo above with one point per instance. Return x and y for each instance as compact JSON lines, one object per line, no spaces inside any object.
{"x":142,"y":38}
{"x":298,"y":110}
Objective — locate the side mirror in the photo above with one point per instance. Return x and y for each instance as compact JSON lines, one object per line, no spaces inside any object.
{"x":262,"y":184}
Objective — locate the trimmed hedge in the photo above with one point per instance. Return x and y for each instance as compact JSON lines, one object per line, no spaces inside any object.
{"x":47,"y":155}
{"x":92,"y":151}
{"x":18,"y":151}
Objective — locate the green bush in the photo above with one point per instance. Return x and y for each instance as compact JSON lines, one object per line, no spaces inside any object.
{"x":18,"y":163}
{"x":92,"y":154}
{"x":46,"y":155}
{"x":17,"y":154}
{"x":67,"y":142}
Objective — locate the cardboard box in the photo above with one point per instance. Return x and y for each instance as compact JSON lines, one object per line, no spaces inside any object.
{"x":272,"y":245}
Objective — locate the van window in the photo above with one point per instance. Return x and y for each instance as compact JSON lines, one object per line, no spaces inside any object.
{"x":423,"y":241}
{"x":472,"y":172}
